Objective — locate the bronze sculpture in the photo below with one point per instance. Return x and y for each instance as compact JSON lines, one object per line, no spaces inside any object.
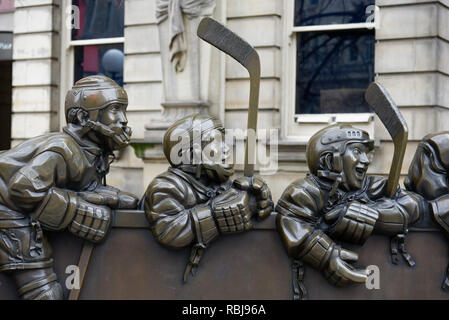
{"x":337,"y":200}
{"x":427,"y":176}
{"x":56,"y":181}
{"x":192,"y":203}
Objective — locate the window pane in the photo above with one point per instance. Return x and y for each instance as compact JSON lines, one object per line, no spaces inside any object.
{"x":333,"y":70}
{"x":319,"y":12}
{"x":99,"y":19}
{"x":104,"y":60}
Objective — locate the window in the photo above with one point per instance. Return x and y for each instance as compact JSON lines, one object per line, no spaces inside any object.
{"x":101,"y":59}
{"x":93,"y":44}
{"x":334,"y":66}
{"x":329,"y":64}
{"x":99,"y":22}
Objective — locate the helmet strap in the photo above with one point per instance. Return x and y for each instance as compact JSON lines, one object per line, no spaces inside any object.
{"x":334,"y":170}
{"x":105,"y":131}
{"x":196,"y":170}
{"x":101,"y":128}
{"x":335,"y":185}
{"x":337,"y":162}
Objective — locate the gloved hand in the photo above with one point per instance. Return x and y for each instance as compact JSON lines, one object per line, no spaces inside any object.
{"x":321,"y":253}
{"x":231,"y":211}
{"x":257,"y":187}
{"x":340,"y":272}
{"x":91,"y":222}
{"x":111,"y":197}
{"x":353,"y":222}
{"x":395,"y":215}
{"x":334,"y":213}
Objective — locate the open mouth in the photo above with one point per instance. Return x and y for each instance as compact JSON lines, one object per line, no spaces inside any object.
{"x":360,"y":172}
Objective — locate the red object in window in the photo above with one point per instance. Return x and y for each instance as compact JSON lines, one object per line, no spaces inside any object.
{"x":90,"y":61}
{"x":6,"y":5}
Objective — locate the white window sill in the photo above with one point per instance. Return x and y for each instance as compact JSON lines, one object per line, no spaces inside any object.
{"x":335,"y":117}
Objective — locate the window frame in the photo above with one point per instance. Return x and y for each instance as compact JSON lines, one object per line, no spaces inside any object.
{"x":67,"y":63}
{"x":299,"y":127}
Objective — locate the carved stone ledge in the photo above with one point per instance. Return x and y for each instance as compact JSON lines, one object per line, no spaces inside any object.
{"x":148,"y":150}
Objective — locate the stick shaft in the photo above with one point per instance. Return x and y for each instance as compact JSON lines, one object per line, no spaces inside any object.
{"x":251,"y":141}
{"x":83,"y":263}
{"x":230,"y":43}
{"x":388,"y":112}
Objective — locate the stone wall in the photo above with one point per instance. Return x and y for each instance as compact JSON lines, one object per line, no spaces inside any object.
{"x":36,"y":52}
{"x":6,"y":21}
{"x":411,"y":61}
{"x":259,"y":23}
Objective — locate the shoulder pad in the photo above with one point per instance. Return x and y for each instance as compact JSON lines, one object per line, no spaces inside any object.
{"x":66,"y":146}
{"x":62,"y":144}
{"x":302,"y":197}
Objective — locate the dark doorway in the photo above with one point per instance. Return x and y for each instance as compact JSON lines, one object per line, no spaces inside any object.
{"x":5,"y":104}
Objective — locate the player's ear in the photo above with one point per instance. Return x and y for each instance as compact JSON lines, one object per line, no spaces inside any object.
{"x":326,"y":161}
{"x":82,"y":117}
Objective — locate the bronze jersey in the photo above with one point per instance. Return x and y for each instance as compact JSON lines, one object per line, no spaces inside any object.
{"x":304,"y":203}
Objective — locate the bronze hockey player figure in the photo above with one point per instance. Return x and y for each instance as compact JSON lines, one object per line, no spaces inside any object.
{"x":195,"y":201}
{"x":428,"y":176}
{"x":338,"y":200}
{"x":55,"y":182}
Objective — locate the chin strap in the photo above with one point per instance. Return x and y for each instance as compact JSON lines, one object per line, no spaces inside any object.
{"x":335,"y":176}
{"x":196,"y":170}
{"x":101,"y":128}
{"x":108,"y":132}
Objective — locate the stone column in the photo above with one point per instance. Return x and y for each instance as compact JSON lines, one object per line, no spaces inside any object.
{"x":186,"y":62}
{"x":36,"y":52}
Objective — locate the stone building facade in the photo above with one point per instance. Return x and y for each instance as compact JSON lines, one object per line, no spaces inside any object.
{"x":411,"y":59}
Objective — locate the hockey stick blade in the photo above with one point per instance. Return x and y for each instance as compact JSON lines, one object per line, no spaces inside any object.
{"x":227,"y":41}
{"x":388,"y":112}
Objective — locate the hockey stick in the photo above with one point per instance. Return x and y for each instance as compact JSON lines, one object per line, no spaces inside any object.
{"x":388,"y":112}
{"x":227,"y":41}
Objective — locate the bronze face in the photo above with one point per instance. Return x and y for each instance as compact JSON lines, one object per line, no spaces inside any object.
{"x":114,"y":117}
{"x":197,"y":144}
{"x":215,"y":153}
{"x":355,"y":164}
